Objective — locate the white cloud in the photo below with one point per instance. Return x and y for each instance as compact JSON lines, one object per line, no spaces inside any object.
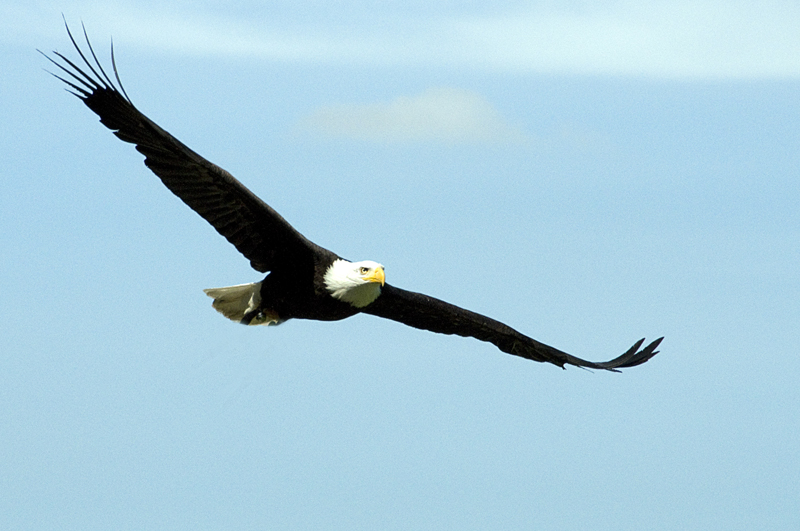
{"x":440,"y":114}
{"x":701,"y":39}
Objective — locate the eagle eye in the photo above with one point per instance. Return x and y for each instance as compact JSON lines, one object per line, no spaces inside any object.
{"x":364,"y":270}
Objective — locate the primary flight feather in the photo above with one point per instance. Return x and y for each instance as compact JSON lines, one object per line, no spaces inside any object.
{"x":304,"y":280}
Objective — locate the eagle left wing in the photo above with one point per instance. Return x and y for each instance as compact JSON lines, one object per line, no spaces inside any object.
{"x":427,"y":313}
{"x":251,"y":225}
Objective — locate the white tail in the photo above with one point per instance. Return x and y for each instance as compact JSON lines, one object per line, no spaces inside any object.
{"x":240,"y":303}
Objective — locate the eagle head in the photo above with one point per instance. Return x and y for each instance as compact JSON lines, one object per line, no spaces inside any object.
{"x":357,"y":283}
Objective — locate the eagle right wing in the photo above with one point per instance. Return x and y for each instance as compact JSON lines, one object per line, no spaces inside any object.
{"x":427,"y":313}
{"x":252,"y":226}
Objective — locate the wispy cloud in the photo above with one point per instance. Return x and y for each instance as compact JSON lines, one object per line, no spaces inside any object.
{"x":447,"y":115}
{"x":701,"y":39}
{"x":705,"y":39}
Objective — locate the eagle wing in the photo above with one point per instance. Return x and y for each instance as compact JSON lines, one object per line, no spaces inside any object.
{"x":253,"y":227}
{"x":427,"y":313}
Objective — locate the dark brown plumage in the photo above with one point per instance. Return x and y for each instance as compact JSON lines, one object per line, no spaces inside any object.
{"x":297,"y":285}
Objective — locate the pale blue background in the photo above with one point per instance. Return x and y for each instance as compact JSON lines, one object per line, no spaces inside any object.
{"x":632,"y":171}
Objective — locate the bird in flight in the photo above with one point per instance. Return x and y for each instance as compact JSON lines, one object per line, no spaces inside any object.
{"x":304,"y":280}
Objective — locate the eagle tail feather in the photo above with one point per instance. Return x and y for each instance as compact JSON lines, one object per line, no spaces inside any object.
{"x":241,"y":303}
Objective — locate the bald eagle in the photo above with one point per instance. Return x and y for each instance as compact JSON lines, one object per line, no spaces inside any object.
{"x":304,"y":280}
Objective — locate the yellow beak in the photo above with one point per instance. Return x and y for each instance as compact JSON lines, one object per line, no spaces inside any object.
{"x":377,"y":275}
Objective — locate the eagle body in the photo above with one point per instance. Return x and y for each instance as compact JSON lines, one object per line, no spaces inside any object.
{"x":304,"y":280}
{"x":330,"y":290}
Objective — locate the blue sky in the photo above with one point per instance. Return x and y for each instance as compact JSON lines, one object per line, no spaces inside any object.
{"x":588,"y":174}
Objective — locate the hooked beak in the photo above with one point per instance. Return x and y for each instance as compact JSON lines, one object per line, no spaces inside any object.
{"x":377,"y":275}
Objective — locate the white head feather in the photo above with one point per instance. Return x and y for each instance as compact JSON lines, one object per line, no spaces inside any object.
{"x":358,"y":283}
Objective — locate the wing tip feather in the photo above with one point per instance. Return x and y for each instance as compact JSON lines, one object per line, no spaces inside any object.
{"x":636,"y":355}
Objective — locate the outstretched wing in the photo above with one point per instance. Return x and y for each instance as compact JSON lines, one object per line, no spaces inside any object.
{"x":427,"y":313}
{"x":252,"y":226}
